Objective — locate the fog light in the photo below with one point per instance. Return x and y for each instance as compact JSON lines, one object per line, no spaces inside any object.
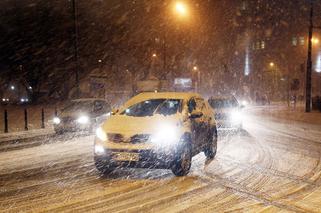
{"x":99,"y":149}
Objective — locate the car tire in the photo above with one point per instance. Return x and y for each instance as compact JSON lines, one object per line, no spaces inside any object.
{"x":103,"y":168}
{"x":211,"y":147}
{"x":183,"y":161}
{"x":59,"y":132}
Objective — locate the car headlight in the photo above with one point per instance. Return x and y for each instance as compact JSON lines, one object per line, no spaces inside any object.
{"x":56,"y":120}
{"x":166,"y":135}
{"x":83,"y":119}
{"x":236,"y":117}
{"x":99,"y":149}
{"x":244,"y":103}
{"x":101,"y":134}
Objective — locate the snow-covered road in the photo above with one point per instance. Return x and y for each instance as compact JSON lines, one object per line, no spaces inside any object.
{"x":272,"y":165}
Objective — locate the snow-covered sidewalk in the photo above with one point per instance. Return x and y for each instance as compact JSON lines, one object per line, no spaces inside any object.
{"x":284,"y":112}
{"x":25,"y":134}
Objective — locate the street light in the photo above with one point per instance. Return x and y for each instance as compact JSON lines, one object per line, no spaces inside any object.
{"x":315,"y":40}
{"x":198,"y":82}
{"x":273,"y":69}
{"x":154,"y":55}
{"x":271,"y":64}
{"x":181,"y":9}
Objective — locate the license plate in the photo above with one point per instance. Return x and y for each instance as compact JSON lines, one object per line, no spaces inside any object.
{"x":125,"y":156}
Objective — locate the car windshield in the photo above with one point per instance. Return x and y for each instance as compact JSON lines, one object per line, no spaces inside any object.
{"x":222,"y":103}
{"x":79,"y":105}
{"x":154,"y":106}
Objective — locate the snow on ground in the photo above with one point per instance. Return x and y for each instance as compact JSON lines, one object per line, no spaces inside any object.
{"x":282,"y":111}
{"x":26,"y":134}
{"x":270,"y":166}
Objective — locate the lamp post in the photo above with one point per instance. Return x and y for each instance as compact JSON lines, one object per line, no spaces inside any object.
{"x":181,"y":11}
{"x":198,"y":81}
{"x":75,"y":37}
{"x":308,"y":86}
{"x":273,"y":68}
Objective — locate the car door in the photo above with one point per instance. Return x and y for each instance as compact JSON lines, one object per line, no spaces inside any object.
{"x":196,"y":123}
{"x":202,"y":122}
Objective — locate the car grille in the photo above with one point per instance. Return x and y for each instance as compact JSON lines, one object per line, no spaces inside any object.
{"x":135,"y":139}
{"x":67,"y":119}
{"x":140,"y":138}
{"x":115,"y":137}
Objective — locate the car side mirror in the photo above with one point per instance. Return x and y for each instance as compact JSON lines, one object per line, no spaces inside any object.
{"x":114,"y":111}
{"x":195,"y":114}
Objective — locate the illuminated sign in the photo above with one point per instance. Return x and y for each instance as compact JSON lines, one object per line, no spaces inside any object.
{"x":183,"y":82}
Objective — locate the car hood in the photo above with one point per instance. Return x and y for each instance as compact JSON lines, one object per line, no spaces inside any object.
{"x":129,"y":125}
{"x":74,"y":114}
{"x":225,"y":110}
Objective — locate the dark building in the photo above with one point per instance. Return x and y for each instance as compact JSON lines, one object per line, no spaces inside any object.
{"x":272,"y":47}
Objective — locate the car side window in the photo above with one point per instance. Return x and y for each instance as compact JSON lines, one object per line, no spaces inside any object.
{"x":98,"y":105}
{"x":191,"y":105}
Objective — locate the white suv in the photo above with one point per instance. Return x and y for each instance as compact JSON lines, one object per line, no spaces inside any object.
{"x":157,"y":130}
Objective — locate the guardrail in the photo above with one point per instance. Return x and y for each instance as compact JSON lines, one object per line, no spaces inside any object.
{"x":25,"y":119}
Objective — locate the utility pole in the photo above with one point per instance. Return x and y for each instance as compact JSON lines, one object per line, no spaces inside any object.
{"x":164,"y":55}
{"x":75,"y":38}
{"x":308,"y":87}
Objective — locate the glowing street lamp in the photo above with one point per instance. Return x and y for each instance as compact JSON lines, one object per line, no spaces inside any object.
{"x":181,"y":9}
{"x":315,"y":40}
{"x":198,"y":82}
{"x":154,"y":55}
{"x":12,"y":87}
{"x":272,"y":64}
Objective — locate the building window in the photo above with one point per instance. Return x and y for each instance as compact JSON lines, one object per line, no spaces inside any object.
{"x":294,"y":41}
{"x":301,"y":40}
{"x":257,"y":46}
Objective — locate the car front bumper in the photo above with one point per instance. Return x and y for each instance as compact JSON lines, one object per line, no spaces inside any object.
{"x":72,"y":127}
{"x":143,"y":157}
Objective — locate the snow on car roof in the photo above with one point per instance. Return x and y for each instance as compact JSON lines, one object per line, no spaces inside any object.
{"x":159,"y":95}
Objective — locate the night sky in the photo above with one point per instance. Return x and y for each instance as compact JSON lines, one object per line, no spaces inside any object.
{"x":38,"y":34}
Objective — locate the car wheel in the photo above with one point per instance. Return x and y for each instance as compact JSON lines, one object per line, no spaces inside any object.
{"x":211,"y":147}
{"x":183,"y":161}
{"x":59,"y":131}
{"x":103,"y":168}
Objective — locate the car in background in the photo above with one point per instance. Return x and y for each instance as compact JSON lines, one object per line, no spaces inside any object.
{"x":228,"y":112}
{"x":81,"y":115}
{"x":156,"y":130}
